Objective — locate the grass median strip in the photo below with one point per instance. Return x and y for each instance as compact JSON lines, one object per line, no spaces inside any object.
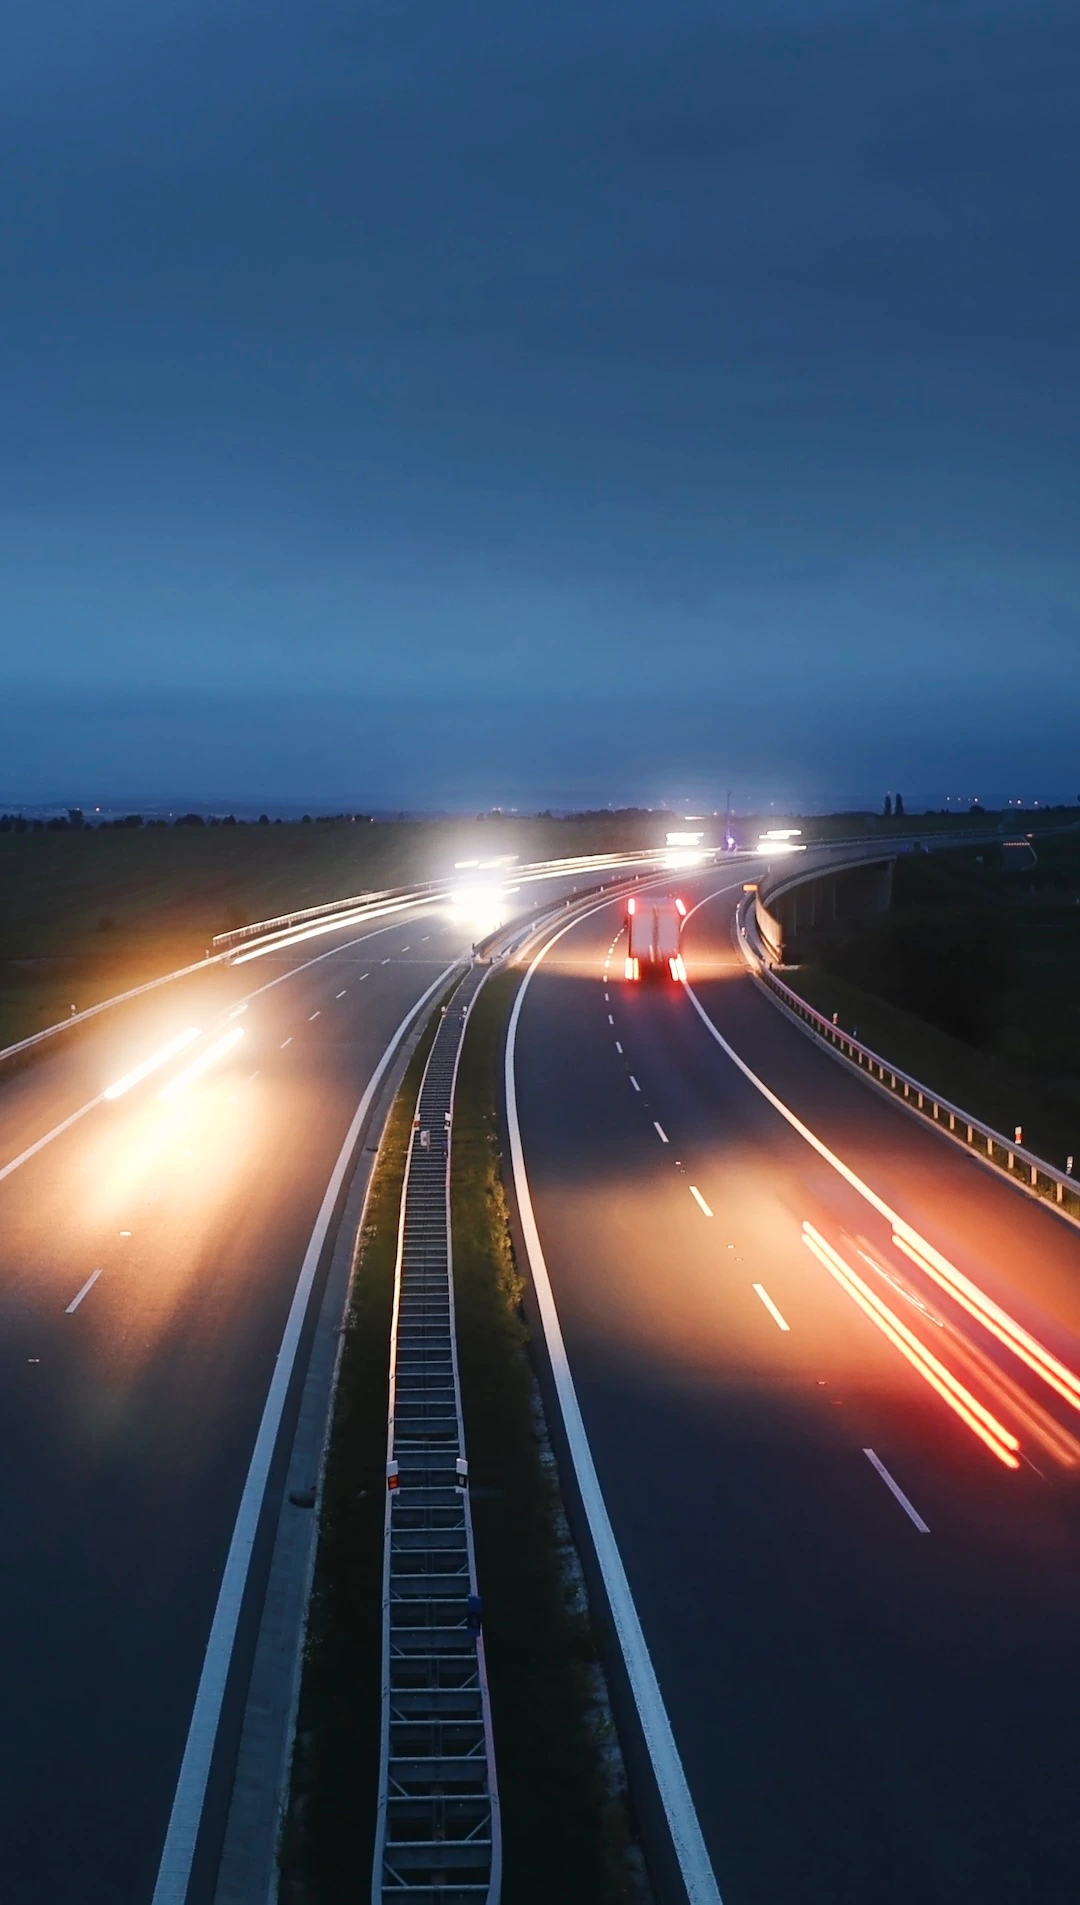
{"x":565,"y":1824}
{"x":328,"y":1836}
{"x":562,"y":1790}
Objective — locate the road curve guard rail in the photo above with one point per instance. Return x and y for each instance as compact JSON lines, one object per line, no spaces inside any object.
{"x":437,"y":1839}
{"x":1031,"y":1173}
{"x":425,"y":890}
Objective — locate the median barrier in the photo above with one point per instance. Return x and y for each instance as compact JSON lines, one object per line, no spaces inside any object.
{"x":1022,"y":1167}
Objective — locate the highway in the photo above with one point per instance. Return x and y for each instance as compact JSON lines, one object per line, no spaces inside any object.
{"x":150,"y":1251}
{"x":825,"y":1365}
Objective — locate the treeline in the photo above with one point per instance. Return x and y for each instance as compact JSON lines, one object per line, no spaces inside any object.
{"x":75,"y":821}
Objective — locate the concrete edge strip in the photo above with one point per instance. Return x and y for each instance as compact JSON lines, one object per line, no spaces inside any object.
{"x":683,"y":1824}
{"x":185,"y":1818}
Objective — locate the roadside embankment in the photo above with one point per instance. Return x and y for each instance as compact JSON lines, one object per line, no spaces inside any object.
{"x":969,"y":985}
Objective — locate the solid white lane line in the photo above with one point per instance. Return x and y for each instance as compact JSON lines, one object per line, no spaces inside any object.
{"x":341,"y":994}
{"x":675,"y":1796}
{"x":618,"y":1047}
{"x":698,"y":1199}
{"x":85,"y":1291}
{"x":660,"y":1132}
{"x":896,"y":1489}
{"x":771,"y":1307}
{"x":314,"y":1015}
{"x":900,"y":1226}
{"x":284,"y":1042}
{"x":40,"y":1143}
{"x":174,"y":1872}
{"x":634,"y":1082}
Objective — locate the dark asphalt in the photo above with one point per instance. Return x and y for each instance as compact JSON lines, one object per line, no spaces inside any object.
{"x":128,"y":1426}
{"x":866,"y":1714}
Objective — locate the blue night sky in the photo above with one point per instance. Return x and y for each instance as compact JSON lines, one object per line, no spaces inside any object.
{"x":550,"y":401}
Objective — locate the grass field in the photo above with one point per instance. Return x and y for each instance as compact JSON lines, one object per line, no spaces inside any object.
{"x":84,"y":915}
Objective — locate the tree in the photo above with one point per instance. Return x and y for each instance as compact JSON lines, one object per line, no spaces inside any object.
{"x":898,"y":804}
{"x":888,"y":807}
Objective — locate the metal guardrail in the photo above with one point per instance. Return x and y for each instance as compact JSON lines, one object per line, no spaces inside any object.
{"x":1032,"y":1173}
{"x":438,"y":1839}
{"x":423,"y":890}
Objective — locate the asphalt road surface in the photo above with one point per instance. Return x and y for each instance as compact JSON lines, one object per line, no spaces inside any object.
{"x":844,"y":1480}
{"x":148,"y":1256}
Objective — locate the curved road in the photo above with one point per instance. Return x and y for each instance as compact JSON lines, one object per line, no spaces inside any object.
{"x":827,"y":1368}
{"x":149,"y":1253}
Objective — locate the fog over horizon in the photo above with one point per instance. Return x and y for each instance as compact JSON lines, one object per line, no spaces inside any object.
{"x":410,"y":407}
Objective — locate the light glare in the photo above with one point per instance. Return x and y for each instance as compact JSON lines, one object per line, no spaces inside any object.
{"x":201,"y":1064}
{"x":153,"y":1063}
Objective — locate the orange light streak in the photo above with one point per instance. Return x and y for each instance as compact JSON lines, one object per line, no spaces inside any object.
{"x":998,"y":1439}
{"x":997,"y":1321}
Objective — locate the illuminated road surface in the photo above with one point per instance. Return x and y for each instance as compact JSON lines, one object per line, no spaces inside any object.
{"x":148,"y":1255}
{"x":830,"y":1373}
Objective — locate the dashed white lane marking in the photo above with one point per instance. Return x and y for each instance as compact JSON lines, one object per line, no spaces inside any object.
{"x":284,"y":1042}
{"x":341,"y":994}
{"x":425,"y":939}
{"x":698,"y":1199}
{"x":761,"y":1291}
{"x":618,"y":1047}
{"x":698,"y":1879}
{"x":607,"y":998}
{"x":610,"y":1020}
{"x":895,"y":1488}
{"x":385,"y":962}
{"x":314,"y":1015}
{"x":85,"y":1291}
{"x":363,"y":975}
{"x":125,"y":1233}
{"x":252,"y":1076}
{"x":660,"y":1132}
{"x":406,"y":949}
{"x":634,"y":1082}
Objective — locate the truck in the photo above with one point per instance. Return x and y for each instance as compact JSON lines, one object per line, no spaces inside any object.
{"x":653,"y":937}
